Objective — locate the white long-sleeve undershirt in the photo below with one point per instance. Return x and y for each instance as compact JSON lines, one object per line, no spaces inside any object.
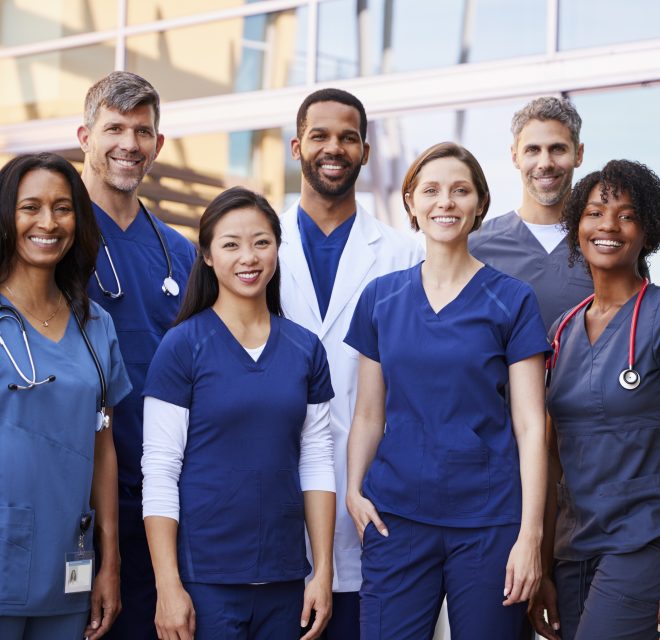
{"x":165,"y":435}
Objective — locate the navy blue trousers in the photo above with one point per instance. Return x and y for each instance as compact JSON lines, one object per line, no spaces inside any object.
{"x":247,"y":612}
{"x":138,"y":586}
{"x":407,"y":575}
{"x":610,"y":597}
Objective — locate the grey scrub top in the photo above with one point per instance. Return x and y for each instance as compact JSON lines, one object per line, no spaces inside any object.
{"x":506,"y":244}
{"x":608,"y":436}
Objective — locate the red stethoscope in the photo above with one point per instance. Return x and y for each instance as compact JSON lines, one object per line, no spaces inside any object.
{"x":628,"y":378}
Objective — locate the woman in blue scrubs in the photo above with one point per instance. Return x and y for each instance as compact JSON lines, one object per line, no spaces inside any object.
{"x":57,"y":469}
{"x":237,"y":446}
{"x":604,"y":428}
{"x":448,"y":498}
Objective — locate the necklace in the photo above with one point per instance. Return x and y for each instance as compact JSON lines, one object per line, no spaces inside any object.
{"x":45,"y":322}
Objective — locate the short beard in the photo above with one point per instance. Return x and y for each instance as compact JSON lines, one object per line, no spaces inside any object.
{"x":328,"y":189}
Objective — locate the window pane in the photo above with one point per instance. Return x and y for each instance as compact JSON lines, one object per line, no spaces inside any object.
{"x":244,"y":54}
{"x":27,"y":21}
{"x":589,"y":23}
{"x":395,"y":39}
{"x":51,"y":85}
{"x":507,"y":28}
{"x":139,"y":11}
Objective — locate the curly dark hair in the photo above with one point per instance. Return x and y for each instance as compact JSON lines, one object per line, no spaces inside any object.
{"x":77,"y":266}
{"x":636,"y":179}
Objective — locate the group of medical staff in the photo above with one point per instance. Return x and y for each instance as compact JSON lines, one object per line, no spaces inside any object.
{"x":192,"y":415}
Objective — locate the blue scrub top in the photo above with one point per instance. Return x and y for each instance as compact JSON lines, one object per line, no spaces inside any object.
{"x":448,"y":455}
{"x":141,"y":316}
{"x":323,"y":254}
{"x":241,"y":509}
{"x":608,"y":436}
{"x":508,"y":245}
{"x":47,"y":437}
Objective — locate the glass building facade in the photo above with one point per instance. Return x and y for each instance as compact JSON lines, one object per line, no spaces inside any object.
{"x":231,"y":74}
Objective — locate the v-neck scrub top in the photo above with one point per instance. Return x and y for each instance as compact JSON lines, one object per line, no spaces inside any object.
{"x":608,"y":436}
{"x":141,"y":316}
{"x":506,"y":243}
{"x":241,"y":517}
{"x":47,"y":438}
{"x":448,"y":456}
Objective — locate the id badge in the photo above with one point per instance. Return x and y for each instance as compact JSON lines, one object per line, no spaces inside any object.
{"x":78,"y":571}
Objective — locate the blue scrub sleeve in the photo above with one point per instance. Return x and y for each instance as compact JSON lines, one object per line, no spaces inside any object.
{"x":363,"y":332}
{"x":118,"y":383}
{"x":527,"y":335}
{"x":170,"y":375}
{"x":320,"y":386}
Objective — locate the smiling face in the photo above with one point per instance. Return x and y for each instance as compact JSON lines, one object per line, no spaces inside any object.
{"x":610,"y":232}
{"x":444,"y":202}
{"x":45,"y":219}
{"x":121,"y":147}
{"x":546,"y":156}
{"x":331,"y":150}
{"x":243,"y":254}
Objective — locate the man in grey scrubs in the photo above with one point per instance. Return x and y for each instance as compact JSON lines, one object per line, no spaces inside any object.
{"x":528,"y":243}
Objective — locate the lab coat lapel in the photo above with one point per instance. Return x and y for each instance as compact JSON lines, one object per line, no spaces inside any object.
{"x":292,"y":255}
{"x":356,"y":260}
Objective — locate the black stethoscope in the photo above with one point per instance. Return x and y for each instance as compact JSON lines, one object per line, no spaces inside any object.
{"x":169,"y":287}
{"x":629,"y":378}
{"x":103,"y":420}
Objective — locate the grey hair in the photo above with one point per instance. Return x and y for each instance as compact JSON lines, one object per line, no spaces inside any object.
{"x":123,"y":91}
{"x":548,"y":108}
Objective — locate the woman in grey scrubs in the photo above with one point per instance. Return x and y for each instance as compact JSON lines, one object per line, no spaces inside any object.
{"x":603,"y":579}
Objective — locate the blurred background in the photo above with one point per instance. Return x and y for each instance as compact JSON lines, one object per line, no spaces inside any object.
{"x":231,"y":74}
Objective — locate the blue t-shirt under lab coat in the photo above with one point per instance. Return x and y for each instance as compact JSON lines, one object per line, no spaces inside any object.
{"x":323,"y":254}
{"x":448,"y":455}
{"x":608,"y":436}
{"x":241,"y":508}
{"x":141,"y":316}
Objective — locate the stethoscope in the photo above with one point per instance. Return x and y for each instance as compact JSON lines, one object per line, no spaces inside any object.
{"x":629,"y":378}
{"x":102,"y":419}
{"x":169,"y":287}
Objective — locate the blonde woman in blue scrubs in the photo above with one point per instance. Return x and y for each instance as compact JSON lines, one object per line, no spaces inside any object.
{"x":448,"y":499}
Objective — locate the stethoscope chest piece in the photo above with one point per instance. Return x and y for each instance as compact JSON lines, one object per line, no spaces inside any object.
{"x":170,"y":287}
{"x":629,"y":379}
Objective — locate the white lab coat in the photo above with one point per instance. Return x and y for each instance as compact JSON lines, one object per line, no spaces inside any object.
{"x":372,"y":249}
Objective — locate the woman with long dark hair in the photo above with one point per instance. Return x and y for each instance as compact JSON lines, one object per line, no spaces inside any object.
{"x":601,"y":561}
{"x":237,"y":447}
{"x":60,"y":369}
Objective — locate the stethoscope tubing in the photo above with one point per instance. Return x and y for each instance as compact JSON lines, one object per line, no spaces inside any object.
{"x":11,"y":312}
{"x":628,"y":378}
{"x":169,"y":288}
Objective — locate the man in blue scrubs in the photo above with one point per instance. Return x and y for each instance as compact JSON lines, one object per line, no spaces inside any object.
{"x":141,"y":272}
{"x":528,"y":243}
{"x":331,"y":249}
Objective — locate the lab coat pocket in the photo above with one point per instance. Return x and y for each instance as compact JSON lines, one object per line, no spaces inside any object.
{"x":16,"y":531}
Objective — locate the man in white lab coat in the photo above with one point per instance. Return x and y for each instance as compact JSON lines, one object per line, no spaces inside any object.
{"x":331,"y":249}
